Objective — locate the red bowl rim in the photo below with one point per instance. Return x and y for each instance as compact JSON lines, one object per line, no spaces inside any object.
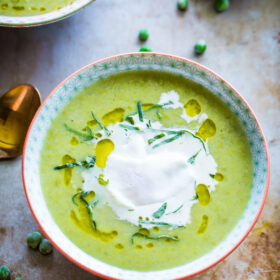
{"x":148,"y":54}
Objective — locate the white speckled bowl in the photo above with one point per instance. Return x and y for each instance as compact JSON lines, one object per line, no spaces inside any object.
{"x":129,"y":62}
{"x":46,"y":18}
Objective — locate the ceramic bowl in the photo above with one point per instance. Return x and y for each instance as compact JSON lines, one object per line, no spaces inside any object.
{"x":46,"y":18}
{"x":59,"y":97}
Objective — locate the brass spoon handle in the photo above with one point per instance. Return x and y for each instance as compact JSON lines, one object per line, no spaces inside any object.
{"x":17,"y":108}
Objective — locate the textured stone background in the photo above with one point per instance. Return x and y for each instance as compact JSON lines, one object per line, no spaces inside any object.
{"x":243,"y":47}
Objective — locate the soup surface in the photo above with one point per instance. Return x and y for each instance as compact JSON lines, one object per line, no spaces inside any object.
{"x":142,"y":163}
{"x":19,"y":8}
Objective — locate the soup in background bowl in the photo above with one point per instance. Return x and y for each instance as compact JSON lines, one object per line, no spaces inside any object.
{"x":26,"y":13}
{"x":145,"y":166}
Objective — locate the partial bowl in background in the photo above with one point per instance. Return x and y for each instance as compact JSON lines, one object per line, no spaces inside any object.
{"x":76,"y":82}
{"x":42,"y":19}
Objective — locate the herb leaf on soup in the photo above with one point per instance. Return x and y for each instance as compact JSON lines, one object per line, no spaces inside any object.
{"x":85,"y":136}
{"x":191,"y":160}
{"x":160,"y":211}
{"x":164,"y":236}
{"x":102,"y":126}
{"x":89,"y":162}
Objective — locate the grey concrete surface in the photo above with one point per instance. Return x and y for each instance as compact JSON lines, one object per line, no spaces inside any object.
{"x":243,"y":47}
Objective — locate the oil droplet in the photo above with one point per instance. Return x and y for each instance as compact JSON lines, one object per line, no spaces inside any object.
{"x":139,"y":247}
{"x":67,"y":171}
{"x":203,"y":194}
{"x":42,"y":9}
{"x":156,"y":229}
{"x":192,"y":108}
{"x":150,"y":245}
{"x":219,"y":177}
{"x":4,"y":6}
{"x":114,"y":116}
{"x":203,"y":225}
{"x":102,"y":151}
{"x":147,"y":106}
{"x":144,"y":231}
{"x":74,"y":141}
{"x":207,"y":130}
{"x":92,"y":123}
{"x":18,"y":8}
{"x":119,"y":246}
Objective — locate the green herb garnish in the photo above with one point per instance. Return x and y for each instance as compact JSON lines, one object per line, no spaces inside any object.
{"x":103,"y":182}
{"x":171,"y":139}
{"x":212,"y":176}
{"x":153,"y":237}
{"x":86,"y":136}
{"x":140,"y":112}
{"x":75,"y":196}
{"x":151,"y":108}
{"x":129,"y":127}
{"x":160,"y":211}
{"x":102,"y":126}
{"x":130,"y":210}
{"x":158,"y":223}
{"x":175,"y":211}
{"x":90,"y":209}
{"x":159,"y":115}
{"x":87,"y":163}
{"x":130,"y":119}
{"x":149,"y":124}
{"x":191,"y":160}
{"x":152,"y":140}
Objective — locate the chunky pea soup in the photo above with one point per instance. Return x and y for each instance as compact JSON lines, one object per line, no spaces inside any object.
{"x":146,"y":170}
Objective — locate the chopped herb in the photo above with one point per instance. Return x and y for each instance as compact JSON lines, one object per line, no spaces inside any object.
{"x":153,"y":237}
{"x":129,"y":127}
{"x":130,"y":119}
{"x":89,"y":162}
{"x":140,"y":112}
{"x":195,"y":197}
{"x":191,"y":160}
{"x":102,"y":126}
{"x":90,"y":209}
{"x":151,"y":108}
{"x":175,"y":211}
{"x":86,"y":136}
{"x":149,"y":125}
{"x":152,"y":140}
{"x":171,"y":139}
{"x":212,"y":175}
{"x":75,"y":196}
{"x":160,"y":211}
{"x":158,"y":223}
{"x":130,"y":210}
{"x":159,"y":115}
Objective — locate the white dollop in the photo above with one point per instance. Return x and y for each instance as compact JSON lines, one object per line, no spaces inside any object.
{"x":142,"y":178}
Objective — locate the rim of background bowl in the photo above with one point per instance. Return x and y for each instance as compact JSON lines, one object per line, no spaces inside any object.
{"x":37,"y":19}
{"x":181,"y":59}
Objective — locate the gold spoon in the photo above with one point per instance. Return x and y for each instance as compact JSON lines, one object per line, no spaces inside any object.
{"x":17,"y":108}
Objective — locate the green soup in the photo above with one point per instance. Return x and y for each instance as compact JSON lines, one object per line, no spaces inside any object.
{"x":31,"y":7}
{"x":95,"y":227}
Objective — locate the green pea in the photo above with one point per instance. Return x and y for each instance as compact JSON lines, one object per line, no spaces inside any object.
{"x":221,"y":5}
{"x":5,"y":273}
{"x":182,"y":4}
{"x":200,"y":47}
{"x":34,"y":239}
{"x":143,"y":34}
{"x":145,"y":49}
{"x":45,"y":247}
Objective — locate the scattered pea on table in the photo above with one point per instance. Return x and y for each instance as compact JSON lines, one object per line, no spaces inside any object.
{"x":34,"y":239}
{"x":145,"y":49}
{"x":182,"y":5}
{"x":221,"y":5}
{"x":200,"y":47}
{"x":143,"y":34}
{"x":5,"y":273}
{"x":45,"y":247}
